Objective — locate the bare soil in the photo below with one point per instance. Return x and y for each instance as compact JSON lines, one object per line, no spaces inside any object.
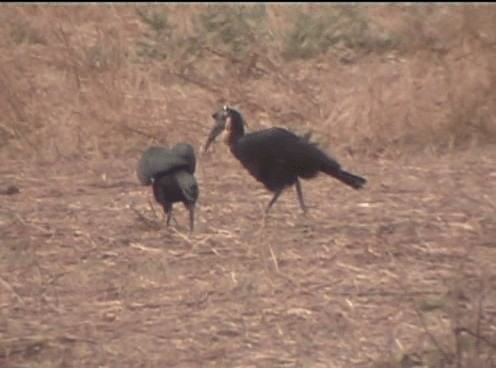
{"x":91,"y":277}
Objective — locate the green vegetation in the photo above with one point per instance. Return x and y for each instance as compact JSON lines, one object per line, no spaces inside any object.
{"x":339,"y":26}
{"x":21,"y":33}
{"x":235,"y":29}
{"x":231,"y":29}
{"x":157,"y":42}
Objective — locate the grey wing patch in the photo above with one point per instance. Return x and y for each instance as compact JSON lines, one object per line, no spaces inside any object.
{"x":187,"y":153}
{"x":188,"y":185}
{"x":156,"y":160}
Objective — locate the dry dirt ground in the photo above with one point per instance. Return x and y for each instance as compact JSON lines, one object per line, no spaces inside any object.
{"x":91,"y":277}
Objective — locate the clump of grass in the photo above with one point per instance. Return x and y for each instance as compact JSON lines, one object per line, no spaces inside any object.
{"x":233,"y":28}
{"x":432,"y":303}
{"x":342,"y":26}
{"x":23,"y":33}
{"x":453,"y":324}
{"x":157,"y":42}
{"x":98,"y":57}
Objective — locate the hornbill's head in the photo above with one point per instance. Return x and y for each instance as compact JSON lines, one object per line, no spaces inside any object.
{"x":227,"y":121}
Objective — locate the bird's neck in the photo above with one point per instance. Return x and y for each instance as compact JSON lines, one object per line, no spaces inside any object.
{"x":232,"y":137}
{"x":232,"y":141}
{"x":234,"y":130}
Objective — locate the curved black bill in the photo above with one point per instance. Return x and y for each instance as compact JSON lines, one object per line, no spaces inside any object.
{"x":220,"y":123}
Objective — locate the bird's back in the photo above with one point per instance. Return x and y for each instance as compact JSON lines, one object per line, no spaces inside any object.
{"x":159,"y":160}
{"x":277,"y":157}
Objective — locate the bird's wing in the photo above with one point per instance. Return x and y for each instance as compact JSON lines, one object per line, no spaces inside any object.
{"x":158,"y":160}
{"x":284,"y":147}
{"x":186,"y":152}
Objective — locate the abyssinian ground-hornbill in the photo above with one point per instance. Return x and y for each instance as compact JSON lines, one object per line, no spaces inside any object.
{"x":276,"y":157}
{"x":171,"y":173}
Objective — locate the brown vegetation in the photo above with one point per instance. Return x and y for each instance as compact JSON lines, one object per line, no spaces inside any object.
{"x":399,"y":274}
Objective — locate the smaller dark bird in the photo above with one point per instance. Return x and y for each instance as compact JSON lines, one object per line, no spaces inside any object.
{"x":277,"y":157}
{"x":171,"y":173}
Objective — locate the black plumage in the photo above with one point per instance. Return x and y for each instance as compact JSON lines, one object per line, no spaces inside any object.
{"x":171,"y":174}
{"x":277,"y":157}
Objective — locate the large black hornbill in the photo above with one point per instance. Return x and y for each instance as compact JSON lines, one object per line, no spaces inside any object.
{"x":276,"y":157}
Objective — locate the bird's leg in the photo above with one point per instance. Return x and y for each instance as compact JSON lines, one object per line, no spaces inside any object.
{"x":272,"y":201}
{"x":168,"y":212}
{"x":300,"y":196}
{"x":191,"y":208}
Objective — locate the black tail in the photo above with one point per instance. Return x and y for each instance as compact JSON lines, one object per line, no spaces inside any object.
{"x":331,"y":167}
{"x":353,"y":181}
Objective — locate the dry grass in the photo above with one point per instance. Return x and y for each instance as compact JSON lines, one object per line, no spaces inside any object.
{"x":74,"y":83}
{"x":395,"y":275}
